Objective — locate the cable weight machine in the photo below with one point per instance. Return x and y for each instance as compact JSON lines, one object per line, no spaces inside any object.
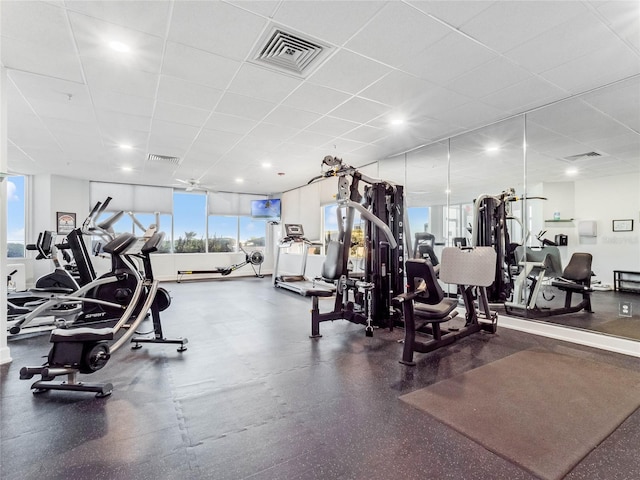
{"x":363,"y":298}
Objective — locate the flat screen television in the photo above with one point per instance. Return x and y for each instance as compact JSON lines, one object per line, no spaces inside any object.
{"x":268,"y":208}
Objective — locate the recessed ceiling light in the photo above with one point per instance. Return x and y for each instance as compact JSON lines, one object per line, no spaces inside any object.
{"x":126,"y":169}
{"x":119,"y":47}
{"x":571,"y":171}
{"x":492,"y":148}
{"x":125,"y":146}
{"x":266,"y":165}
{"x":396,"y":121}
{"x":239,"y":180}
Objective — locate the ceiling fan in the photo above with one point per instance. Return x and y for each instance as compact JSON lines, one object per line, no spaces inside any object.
{"x":192,"y":184}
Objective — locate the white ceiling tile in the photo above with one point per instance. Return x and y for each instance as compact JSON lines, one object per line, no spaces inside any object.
{"x":37,"y":135}
{"x":215,"y":27}
{"x":134,"y":138}
{"x":594,"y":69}
{"x":69,"y":110}
{"x":215,"y":141}
{"x":488,"y":78}
{"x":274,"y":134}
{"x":198,"y":66}
{"x":432,"y":102}
{"x":121,"y":80}
{"x":118,"y":102}
{"x":144,"y":16}
{"x":407,"y":32}
{"x":260,"y":142}
{"x":264,"y":8}
{"x":448,"y":58}
{"x":171,"y":112}
{"x":47,"y":88}
{"x":565,"y":42}
{"x":182,"y":92}
{"x":360,"y":110}
{"x":454,"y":13}
{"x":311,"y":139}
{"x":27,"y":56}
{"x":315,"y":98}
{"x":623,"y":16}
{"x":333,"y":22}
{"x":39,"y":23}
{"x":117,"y":124}
{"x":332,"y":126}
{"x":620,"y":101}
{"x":396,"y":88}
{"x":252,"y":108}
{"x":472,"y":114}
{"x":530,"y":93}
{"x":357,"y":72}
{"x":230,"y":123}
{"x":340,"y":147}
{"x":93,"y":37}
{"x":291,"y":117}
{"x":258,"y":82}
{"x":161,"y":127}
{"x":505,"y":25}
{"x":365,"y":134}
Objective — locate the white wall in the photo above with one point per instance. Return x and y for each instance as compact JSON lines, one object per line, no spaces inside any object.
{"x":5,"y":354}
{"x":605,"y":200}
{"x":51,"y":194}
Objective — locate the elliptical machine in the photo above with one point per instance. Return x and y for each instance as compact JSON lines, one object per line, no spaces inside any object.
{"x":87,"y":350}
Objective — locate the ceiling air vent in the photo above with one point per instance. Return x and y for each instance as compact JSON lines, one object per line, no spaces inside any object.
{"x":289,"y":52}
{"x":583,"y":156}
{"x":163,"y":159}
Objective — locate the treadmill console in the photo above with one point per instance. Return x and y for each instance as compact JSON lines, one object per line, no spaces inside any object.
{"x":294,"y":230}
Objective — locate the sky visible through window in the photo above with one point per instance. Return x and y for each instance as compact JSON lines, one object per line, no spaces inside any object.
{"x":15,"y":209}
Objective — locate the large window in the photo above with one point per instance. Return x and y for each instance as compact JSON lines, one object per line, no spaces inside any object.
{"x":189,"y":222}
{"x":253,"y":233}
{"x":331,"y":232}
{"x":193,"y":222}
{"x":15,"y":216}
{"x":223,"y":233}
{"x":419,"y":219}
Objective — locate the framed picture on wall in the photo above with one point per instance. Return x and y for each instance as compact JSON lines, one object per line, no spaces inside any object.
{"x":623,"y":225}
{"x":66,"y":222}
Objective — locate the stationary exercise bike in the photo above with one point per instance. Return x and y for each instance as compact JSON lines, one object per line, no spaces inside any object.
{"x":101,"y":301}
{"x":86,"y":350}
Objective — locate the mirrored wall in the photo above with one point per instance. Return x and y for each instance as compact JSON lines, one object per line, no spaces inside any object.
{"x":569,"y":175}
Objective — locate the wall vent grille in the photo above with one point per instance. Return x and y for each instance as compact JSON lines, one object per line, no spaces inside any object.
{"x":583,"y":156}
{"x":164,"y":159}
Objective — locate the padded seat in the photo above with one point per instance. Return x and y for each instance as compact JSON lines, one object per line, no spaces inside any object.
{"x":83,"y":334}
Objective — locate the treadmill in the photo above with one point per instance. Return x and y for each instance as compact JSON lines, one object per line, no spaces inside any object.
{"x":298,"y":282}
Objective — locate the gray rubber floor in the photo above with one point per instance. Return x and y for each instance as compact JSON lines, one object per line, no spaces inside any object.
{"x":254,"y":397}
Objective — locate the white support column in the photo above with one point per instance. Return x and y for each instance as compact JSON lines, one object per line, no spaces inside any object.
{"x":5,"y":354}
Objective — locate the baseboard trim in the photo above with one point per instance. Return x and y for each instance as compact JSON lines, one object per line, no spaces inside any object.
{"x":5,"y":355}
{"x":574,"y":335}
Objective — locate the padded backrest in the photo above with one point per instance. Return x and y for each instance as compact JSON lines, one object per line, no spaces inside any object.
{"x":548,"y":254}
{"x":120,"y":244}
{"x":426,"y":252}
{"x":419,"y":271}
{"x":579,"y":268}
{"x":332,"y":266}
{"x":473,"y":266}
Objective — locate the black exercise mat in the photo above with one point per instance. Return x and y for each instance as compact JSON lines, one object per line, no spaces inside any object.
{"x":541,"y":410}
{"x":621,"y":327}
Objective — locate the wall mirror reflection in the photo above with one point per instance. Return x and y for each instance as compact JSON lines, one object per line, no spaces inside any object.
{"x":566,"y":174}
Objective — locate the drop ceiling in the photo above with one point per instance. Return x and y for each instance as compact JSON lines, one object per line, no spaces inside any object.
{"x":190,"y":87}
